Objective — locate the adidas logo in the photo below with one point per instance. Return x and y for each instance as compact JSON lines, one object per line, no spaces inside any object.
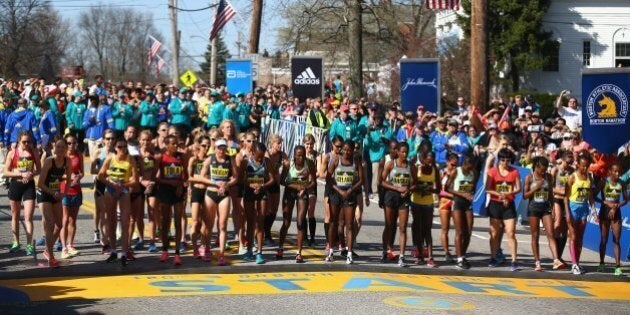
{"x":307,"y":77}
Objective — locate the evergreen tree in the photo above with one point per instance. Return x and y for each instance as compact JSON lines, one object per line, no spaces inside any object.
{"x":223,"y":54}
{"x":515,"y":35}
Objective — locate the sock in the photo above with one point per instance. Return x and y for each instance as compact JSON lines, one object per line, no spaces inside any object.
{"x":326,"y":226}
{"x":312,"y":224}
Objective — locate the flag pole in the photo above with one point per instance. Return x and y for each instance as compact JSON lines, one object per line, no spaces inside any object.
{"x":213,"y":61}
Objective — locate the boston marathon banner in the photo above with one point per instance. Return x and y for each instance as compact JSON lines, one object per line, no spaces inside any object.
{"x":307,"y":77}
{"x":239,"y":76}
{"x":605,"y":121}
{"x":420,"y":84}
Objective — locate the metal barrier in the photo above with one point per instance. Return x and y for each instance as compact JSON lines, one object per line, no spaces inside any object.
{"x":292,"y":134}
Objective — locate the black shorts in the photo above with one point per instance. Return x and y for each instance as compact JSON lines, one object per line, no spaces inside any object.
{"x":197,"y":195}
{"x":538,"y":209}
{"x":496,"y":210}
{"x":45,"y":197}
{"x":603,"y":214}
{"x":312,"y":191}
{"x":215,"y":196}
{"x":153,"y":191}
{"x":336,"y":200}
{"x":327,"y":190}
{"x":421,"y":208}
{"x":19,"y":191}
{"x":166,"y":194}
{"x":274,"y":189}
{"x":136,"y":194}
{"x":461,"y":204}
{"x":249,"y":195}
{"x":292,"y":195}
{"x":394,"y":200}
{"x":99,"y":188}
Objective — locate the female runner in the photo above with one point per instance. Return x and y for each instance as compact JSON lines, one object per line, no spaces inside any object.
{"x":72,"y":199}
{"x":200,"y":217}
{"x":228,"y":130}
{"x":314,"y":159}
{"x":577,"y":203}
{"x":327,"y":160}
{"x":611,"y":191}
{"x":276,"y":157}
{"x":99,"y":190}
{"x":147,"y":180}
{"x":428,"y":183}
{"x":446,"y":204}
{"x":561,"y":175}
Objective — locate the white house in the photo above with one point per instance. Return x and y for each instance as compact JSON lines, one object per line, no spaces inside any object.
{"x":590,"y":34}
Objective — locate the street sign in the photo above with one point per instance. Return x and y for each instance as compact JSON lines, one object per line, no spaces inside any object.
{"x":188,"y":78}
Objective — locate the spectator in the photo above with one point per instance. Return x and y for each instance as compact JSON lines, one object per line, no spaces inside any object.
{"x":571,"y":114}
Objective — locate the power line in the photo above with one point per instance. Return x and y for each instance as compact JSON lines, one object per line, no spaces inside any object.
{"x":193,"y":10}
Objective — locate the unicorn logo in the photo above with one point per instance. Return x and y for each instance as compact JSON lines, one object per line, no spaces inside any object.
{"x":608,"y":107}
{"x":607,"y":104}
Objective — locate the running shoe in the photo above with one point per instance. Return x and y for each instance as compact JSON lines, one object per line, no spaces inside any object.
{"x":65,"y":254}
{"x":349,"y":260}
{"x":460,"y":265}
{"x":53,"y":263}
{"x":29,"y":250}
{"x":601,"y":267}
{"x":329,"y":258}
{"x":15,"y":247}
{"x":260,"y":259}
{"x":500,"y":256}
{"x":73,"y":251}
{"x":164,"y":256}
{"x":344,"y":252}
{"x":416,"y":252}
{"x":41,"y":241}
{"x":618,"y":271}
{"x":537,"y":266}
{"x":401,"y":261}
{"x":269,"y":242}
{"x":575,"y":270}
{"x":59,"y":247}
{"x":492,"y":263}
{"x":196,"y":253}
{"x":97,"y":236}
{"x":130,"y":256}
{"x":248,"y":256}
{"x":431,"y":263}
{"x":221,"y":261}
{"x":152,"y":248}
{"x":123,"y":260}
{"x":391,"y":256}
{"x":558,"y":264}
{"x":448,"y":258}
{"x":105,"y":250}
{"x":112,"y":258}
{"x":177,"y":261}
{"x":384,"y":259}
{"x":279,"y":253}
{"x":582,"y":269}
{"x":207,"y":255}
{"x":182,"y":247}
{"x":419,"y":260}
{"x":242,"y":250}
{"x":139,"y":245}
{"x":466,"y":264}
{"x":298,"y":258}
{"x":514,"y":266}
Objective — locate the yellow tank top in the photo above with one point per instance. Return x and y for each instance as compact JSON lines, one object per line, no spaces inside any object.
{"x":119,"y":171}
{"x":424,"y":181}
{"x":580,"y":190}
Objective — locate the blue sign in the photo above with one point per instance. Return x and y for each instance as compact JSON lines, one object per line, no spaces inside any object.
{"x":420,"y":84}
{"x":605,"y":121}
{"x":238,"y":75}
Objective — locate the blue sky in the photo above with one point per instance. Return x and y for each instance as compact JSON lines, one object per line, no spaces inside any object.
{"x":195,"y":26}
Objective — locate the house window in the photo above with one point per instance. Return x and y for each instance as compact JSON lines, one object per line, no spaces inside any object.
{"x":586,"y":53}
{"x":552,"y":61}
{"x":622,"y":54}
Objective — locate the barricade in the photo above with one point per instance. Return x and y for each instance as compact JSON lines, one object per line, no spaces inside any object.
{"x":292,"y":133}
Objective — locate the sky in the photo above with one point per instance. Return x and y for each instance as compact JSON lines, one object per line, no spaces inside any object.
{"x":194,"y":26}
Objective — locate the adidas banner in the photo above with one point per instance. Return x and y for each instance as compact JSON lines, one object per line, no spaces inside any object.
{"x":307,"y":77}
{"x":238,"y":76}
{"x":420,"y":84}
{"x":605,"y":121}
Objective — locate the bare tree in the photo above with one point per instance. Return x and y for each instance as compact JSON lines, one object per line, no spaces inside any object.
{"x":14,"y":21}
{"x":94,"y":26}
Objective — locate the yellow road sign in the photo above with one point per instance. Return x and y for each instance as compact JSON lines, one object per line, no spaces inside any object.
{"x":188,"y":78}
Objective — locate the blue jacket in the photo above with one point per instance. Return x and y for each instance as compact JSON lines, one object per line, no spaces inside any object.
{"x":374,"y":144}
{"x":48,"y":127}
{"x":440,"y":140}
{"x":74,"y":115}
{"x":3,"y":121}
{"x":149,"y":111}
{"x":21,"y":119}
{"x":102,"y":120}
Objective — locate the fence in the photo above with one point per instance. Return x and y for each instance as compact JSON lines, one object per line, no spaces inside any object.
{"x":292,"y":133}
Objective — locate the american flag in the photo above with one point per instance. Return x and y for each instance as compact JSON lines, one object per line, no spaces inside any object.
{"x":160,"y":63}
{"x":154,"y":47}
{"x":442,"y":4}
{"x":225,"y":12}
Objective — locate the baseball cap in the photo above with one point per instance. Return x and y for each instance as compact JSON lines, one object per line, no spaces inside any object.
{"x":409,"y":115}
{"x":372,"y":106}
{"x":453,"y":122}
{"x":420,"y":107}
{"x":467,"y":123}
{"x":344,"y":108}
{"x":492,"y":126}
{"x":528,"y":108}
{"x":220,"y":142}
{"x":441,"y":120}
{"x":536,"y":114}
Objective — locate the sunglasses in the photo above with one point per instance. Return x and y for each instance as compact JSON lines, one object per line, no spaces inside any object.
{"x":249,"y":140}
{"x":162,"y":130}
{"x":121,"y":147}
{"x":108,"y":138}
{"x":568,"y":138}
{"x":71,"y":143}
{"x":505,"y":160}
{"x":338,"y":146}
{"x":25,"y":142}
{"x":203,"y":145}
{"x":213,"y":139}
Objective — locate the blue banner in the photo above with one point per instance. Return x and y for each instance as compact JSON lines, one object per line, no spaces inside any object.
{"x":239,"y":76}
{"x":420,"y":84}
{"x":605,"y":108}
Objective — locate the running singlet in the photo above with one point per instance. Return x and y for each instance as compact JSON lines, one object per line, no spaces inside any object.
{"x":562,"y":177}
{"x":502,"y":184}
{"x":172,"y":166}
{"x":464,"y":183}
{"x":55,"y":176}
{"x":255,"y":174}
{"x":23,"y":163}
{"x":148,"y":163}
{"x":75,"y":164}
{"x":220,"y":171}
{"x":612,"y":193}
{"x":579,"y":190}
{"x":233,"y":149}
{"x":297,"y":177}
{"x":425,"y":181}
{"x":542,"y":194}
{"x":197,"y":167}
{"x":345,"y":175}
{"x":119,"y":171}
{"x":400,"y":176}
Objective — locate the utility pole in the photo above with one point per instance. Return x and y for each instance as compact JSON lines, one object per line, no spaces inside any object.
{"x":175,"y":35}
{"x":239,"y":44}
{"x":213,"y":61}
{"x":254,"y":31}
{"x":479,"y":54}
{"x":355,"y":47}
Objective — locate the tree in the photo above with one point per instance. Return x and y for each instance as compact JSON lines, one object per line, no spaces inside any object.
{"x":223,"y":54}
{"x":516,"y":39}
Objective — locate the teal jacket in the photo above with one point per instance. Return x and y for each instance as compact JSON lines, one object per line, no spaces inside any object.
{"x":54,"y":108}
{"x":149,"y":112}
{"x":122,"y":114}
{"x":181,"y":111}
{"x":37,"y":111}
{"x":374,"y":144}
{"x":242,"y":111}
{"x":215,"y":113}
{"x":231,"y":114}
{"x":74,"y":115}
{"x":348,"y":130}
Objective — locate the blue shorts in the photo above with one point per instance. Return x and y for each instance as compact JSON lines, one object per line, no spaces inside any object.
{"x":72,"y":200}
{"x":579,"y":211}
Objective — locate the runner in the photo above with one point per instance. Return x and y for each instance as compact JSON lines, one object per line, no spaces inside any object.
{"x":136,"y":222}
{"x":147,"y":180}
{"x":446,"y":204}
{"x":170,"y":179}
{"x":276,"y":157}
{"x":228,"y":130}
{"x":461,"y":184}
{"x":537,"y":190}
{"x":49,"y":197}
{"x":560,"y":174}
{"x":72,"y":197}
{"x":346,"y":176}
{"x":428,"y":184}
{"x":20,"y":167}
{"x":119,"y":174}
{"x":200,"y":215}
{"x":327,"y":160}
{"x":298,"y":177}
{"x":99,"y":190}
{"x":502,"y":183}
{"x":219,"y":172}
{"x":399,"y":180}
{"x":387,"y":241}
{"x":258,"y":176}
{"x":314,"y":159}
{"x":611,"y":191}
